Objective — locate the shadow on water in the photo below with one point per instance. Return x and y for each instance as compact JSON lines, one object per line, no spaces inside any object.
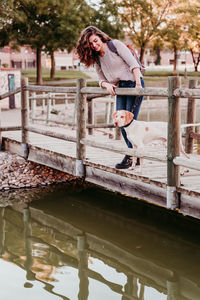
{"x":90,"y":244}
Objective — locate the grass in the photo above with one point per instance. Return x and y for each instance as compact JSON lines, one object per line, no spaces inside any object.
{"x":59,"y":74}
{"x":169,"y":73}
{"x":151,"y":77}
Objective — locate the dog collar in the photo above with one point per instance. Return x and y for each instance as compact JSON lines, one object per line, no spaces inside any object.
{"x":128,"y":124}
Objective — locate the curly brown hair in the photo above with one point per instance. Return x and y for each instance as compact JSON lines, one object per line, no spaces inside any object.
{"x":86,"y":54}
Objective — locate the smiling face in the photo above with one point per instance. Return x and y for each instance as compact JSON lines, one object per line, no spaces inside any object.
{"x":96,"y":43}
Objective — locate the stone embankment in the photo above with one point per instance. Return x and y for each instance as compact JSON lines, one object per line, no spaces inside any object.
{"x":16,"y":173}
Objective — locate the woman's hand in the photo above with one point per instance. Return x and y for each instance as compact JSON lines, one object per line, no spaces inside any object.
{"x":138,"y":85}
{"x":110,"y":87}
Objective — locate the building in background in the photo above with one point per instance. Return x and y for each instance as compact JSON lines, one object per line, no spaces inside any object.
{"x":23,"y":59}
{"x":26,"y":59}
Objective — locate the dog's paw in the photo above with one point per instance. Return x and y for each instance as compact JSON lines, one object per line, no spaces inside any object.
{"x":182,"y":172}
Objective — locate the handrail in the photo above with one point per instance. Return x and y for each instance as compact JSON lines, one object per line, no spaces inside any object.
{"x":150,"y":91}
{"x":50,"y":133}
{"x":187,"y":163}
{"x":15,"y":91}
{"x":185,"y":93}
{"x":55,"y":89}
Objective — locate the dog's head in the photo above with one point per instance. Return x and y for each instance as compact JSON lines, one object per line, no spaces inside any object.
{"x":122,"y":117}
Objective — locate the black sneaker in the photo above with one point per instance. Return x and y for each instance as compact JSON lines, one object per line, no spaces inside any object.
{"x":125,"y":163}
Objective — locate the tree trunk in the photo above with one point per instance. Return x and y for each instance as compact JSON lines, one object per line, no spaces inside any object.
{"x":175,"y":61}
{"x":142,"y":49}
{"x":195,"y":61}
{"x":158,"y":57}
{"x":52,"y":73}
{"x":39,"y":66}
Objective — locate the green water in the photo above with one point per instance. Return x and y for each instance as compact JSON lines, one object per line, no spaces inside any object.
{"x":73,"y":242}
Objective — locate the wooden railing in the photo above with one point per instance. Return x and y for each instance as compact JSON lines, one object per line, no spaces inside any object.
{"x":83,"y":93}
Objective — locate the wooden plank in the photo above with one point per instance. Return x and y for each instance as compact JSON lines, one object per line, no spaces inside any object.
{"x":128,"y":91}
{"x":51,"y":133}
{"x":15,"y":91}
{"x":191,"y":112}
{"x":53,"y":89}
{"x":173,"y":139}
{"x":188,"y":163}
{"x":186,"y":93}
{"x":24,"y":118}
{"x":190,"y":182}
{"x":52,"y":159}
{"x":80,"y":121}
{"x":126,"y":185}
{"x":11,"y":128}
{"x":122,"y":150}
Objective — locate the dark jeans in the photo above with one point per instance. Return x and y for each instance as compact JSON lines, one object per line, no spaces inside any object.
{"x":130,"y":103}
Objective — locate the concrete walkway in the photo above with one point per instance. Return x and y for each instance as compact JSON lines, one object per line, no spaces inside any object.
{"x":11,"y":117}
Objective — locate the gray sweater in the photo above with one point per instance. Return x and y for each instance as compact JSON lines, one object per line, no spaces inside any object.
{"x":116,"y":67}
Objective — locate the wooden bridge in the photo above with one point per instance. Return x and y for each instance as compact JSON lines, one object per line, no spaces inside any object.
{"x":93,"y":156}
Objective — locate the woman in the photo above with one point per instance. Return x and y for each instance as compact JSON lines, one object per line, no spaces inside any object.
{"x":115,"y":69}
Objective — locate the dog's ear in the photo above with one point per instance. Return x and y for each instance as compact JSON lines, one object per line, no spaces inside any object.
{"x":114,"y":114}
{"x":129,"y":117}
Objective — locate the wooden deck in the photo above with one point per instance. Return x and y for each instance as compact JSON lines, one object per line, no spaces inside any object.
{"x":149,"y":185}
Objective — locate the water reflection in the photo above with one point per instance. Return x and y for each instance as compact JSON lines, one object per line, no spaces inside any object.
{"x":90,"y":245}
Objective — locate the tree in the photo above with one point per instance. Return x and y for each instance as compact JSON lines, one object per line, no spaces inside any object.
{"x":45,"y":25}
{"x":182,"y":30}
{"x":157,"y":45}
{"x":143,"y":19}
{"x":6,"y":8}
{"x":106,"y":17}
{"x":173,"y":39}
{"x":63,"y":32}
{"x":189,"y":14}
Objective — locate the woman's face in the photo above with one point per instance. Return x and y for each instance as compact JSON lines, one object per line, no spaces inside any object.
{"x":96,"y":43}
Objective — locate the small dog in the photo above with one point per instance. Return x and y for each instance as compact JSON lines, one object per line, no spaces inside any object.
{"x":140,"y":133}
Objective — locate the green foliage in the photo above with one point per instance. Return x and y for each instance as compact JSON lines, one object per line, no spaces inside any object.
{"x":106,"y":17}
{"x":143,"y":20}
{"x":5,"y":65}
{"x":48,"y":25}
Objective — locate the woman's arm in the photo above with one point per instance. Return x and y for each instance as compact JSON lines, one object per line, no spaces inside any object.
{"x":104,"y":83}
{"x":137,"y":74}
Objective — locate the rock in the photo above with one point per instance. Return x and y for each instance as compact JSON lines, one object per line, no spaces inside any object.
{"x":17,"y":173}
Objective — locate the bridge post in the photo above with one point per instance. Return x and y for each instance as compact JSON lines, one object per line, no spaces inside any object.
{"x":189,"y":141}
{"x":90,"y":115}
{"x":173,"y":142}
{"x":0,"y":132}
{"x":24,"y":117}
{"x":80,"y":128}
